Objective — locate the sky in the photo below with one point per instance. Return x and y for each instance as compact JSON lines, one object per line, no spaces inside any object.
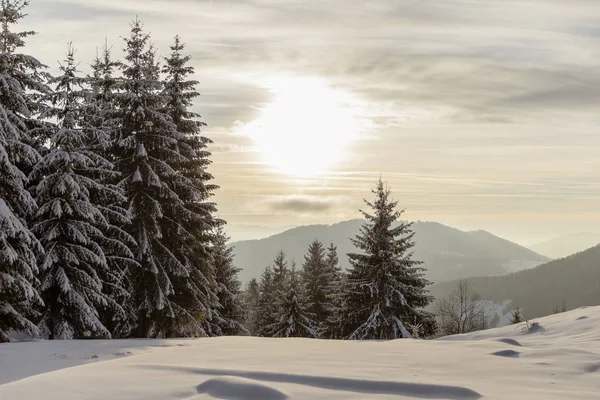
{"x":480,"y":114}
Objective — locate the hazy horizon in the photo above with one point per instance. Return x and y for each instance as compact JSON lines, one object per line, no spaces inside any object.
{"x":480,"y":115}
{"x":239,"y":233}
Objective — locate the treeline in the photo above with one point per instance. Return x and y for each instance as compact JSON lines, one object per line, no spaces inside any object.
{"x":106,"y":224}
{"x":381,"y":296}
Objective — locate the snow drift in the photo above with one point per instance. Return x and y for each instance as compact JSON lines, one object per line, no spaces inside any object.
{"x":560,"y":359}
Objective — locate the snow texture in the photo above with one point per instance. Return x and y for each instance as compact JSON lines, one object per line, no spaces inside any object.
{"x":559,"y":363}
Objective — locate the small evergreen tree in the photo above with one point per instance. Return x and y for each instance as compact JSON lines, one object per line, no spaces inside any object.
{"x":516,"y":316}
{"x":318,"y":280}
{"x":21,"y":82}
{"x":229,"y":315}
{"x":251,"y":306}
{"x":280,"y":272}
{"x":267,"y":303}
{"x":293,"y":319}
{"x":336,"y":317}
{"x":68,"y":221}
{"x":385,"y":288}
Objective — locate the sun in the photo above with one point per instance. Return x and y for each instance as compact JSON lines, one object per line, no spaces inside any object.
{"x":306,"y":128}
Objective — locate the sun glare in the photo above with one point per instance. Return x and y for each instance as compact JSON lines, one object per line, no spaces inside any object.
{"x":306,"y":128}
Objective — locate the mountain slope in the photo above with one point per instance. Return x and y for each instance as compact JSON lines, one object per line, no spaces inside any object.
{"x":566,"y":245}
{"x":447,"y":253}
{"x":574,"y":280}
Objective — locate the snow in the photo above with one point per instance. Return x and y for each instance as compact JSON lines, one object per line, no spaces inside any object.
{"x":559,"y":360}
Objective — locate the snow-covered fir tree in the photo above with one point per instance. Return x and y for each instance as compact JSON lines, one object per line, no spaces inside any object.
{"x":169,"y":291}
{"x":251,"y":303}
{"x":228,"y":317}
{"x":268,"y":307}
{"x":21,"y":83}
{"x":101,"y":119}
{"x":293,"y":319}
{"x":280,"y":272}
{"x":193,"y":187}
{"x":318,"y":281}
{"x":330,"y":327}
{"x":68,"y":222}
{"x":386,"y":289}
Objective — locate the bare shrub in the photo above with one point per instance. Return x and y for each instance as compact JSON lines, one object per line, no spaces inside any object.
{"x":462,"y":311}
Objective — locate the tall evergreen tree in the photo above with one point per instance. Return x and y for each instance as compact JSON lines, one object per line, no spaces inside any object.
{"x":192,"y":185}
{"x":21,"y":83}
{"x":251,"y":306}
{"x":385,"y":287}
{"x":293,"y":319}
{"x":318,"y":278}
{"x":228,"y":317}
{"x":101,"y":119}
{"x":166,"y":294}
{"x":268,"y":306}
{"x":68,"y":223}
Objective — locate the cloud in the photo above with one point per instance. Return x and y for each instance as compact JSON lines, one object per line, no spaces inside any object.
{"x":468,"y":91}
{"x":301,"y":204}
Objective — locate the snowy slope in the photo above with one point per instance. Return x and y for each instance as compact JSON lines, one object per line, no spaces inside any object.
{"x":560,"y":361}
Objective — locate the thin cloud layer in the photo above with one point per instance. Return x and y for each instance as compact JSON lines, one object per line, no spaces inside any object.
{"x":477,"y":92}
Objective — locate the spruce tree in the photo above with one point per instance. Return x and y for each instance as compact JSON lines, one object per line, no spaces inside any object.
{"x":68,"y":223}
{"x":21,"y":83}
{"x":386,"y":289}
{"x":229,"y":315}
{"x":318,"y":277}
{"x":334,"y":321}
{"x":280,"y":272}
{"x":251,"y":307}
{"x":268,"y":306}
{"x":193,"y":187}
{"x":293,"y":319}
{"x":101,"y":118}
{"x":516,"y":316}
{"x":166,"y":288}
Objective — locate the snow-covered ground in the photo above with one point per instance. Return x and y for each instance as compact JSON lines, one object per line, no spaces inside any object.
{"x":559,"y":360}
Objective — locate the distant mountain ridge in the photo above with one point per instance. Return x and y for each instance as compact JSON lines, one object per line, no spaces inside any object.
{"x":574,"y":280}
{"x":566,"y":245}
{"x":447,"y":253}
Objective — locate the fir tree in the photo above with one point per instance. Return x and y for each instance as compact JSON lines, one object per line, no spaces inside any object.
{"x":165,"y":294}
{"x":21,"y":83}
{"x":68,"y":223}
{"x":229,"y":315}
{"x":385,"y":287}
{"x":193,"y":187}
{"x":293,"y":320}
{"x":318,"y":277}
{"x":335,"y":319}
{"x":251,"y":306}
{"x":267,"y":303}
{"x":516,"y":316}
{"x":101,"y":118}
{"x":280,"y":272}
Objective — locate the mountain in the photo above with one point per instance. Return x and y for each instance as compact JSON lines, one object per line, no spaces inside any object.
{"x":566,"y":245}
{"x":239,"y":232}
{"x":447,"y":253}
{"x":573,"y":281}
